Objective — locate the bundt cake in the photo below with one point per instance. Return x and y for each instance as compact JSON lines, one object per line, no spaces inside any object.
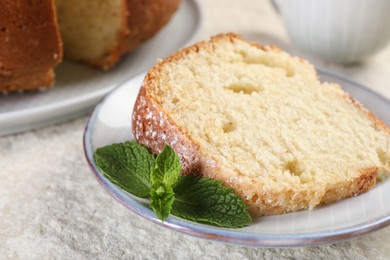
{"x":96,"y":32}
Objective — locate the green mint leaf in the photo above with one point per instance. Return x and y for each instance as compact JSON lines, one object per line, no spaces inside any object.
{"x":163,"y":177}
{"x":167,"y":168}
{"x":207,"y":201}
{"x":127,"y":165}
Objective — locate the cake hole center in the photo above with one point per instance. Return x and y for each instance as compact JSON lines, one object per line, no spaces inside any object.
{"x":245,"y":89}
{"x":229,"y":127}
{"x":269,"y":60}
{"x":175,"y":100}
{"x":382,"y":157}
{"x":292,"y":167}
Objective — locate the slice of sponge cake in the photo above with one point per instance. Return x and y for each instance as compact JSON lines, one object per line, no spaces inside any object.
{"x":260,"y":120}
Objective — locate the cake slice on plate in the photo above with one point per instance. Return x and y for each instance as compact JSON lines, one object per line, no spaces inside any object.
{"x":260,"y":121}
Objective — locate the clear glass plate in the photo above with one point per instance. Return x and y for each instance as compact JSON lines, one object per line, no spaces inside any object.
{"x":78,"y":87}
{"x":110,"y":122}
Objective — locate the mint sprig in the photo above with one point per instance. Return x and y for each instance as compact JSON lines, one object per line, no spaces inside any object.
{"x":163,"y":177}
{"x":130,"y":166}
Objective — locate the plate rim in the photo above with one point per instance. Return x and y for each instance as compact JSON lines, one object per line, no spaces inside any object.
{"x":230,"y":236}
{"x":74,"y":105}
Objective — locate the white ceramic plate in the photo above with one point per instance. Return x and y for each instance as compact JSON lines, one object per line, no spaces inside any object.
{"x":78,"y":88}
{"x":110,"y":122}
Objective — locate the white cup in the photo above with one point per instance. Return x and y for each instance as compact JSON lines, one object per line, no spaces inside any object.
{"x":342,"y":31}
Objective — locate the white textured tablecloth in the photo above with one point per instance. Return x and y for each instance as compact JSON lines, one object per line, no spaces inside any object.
{"x":51,"y":206}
